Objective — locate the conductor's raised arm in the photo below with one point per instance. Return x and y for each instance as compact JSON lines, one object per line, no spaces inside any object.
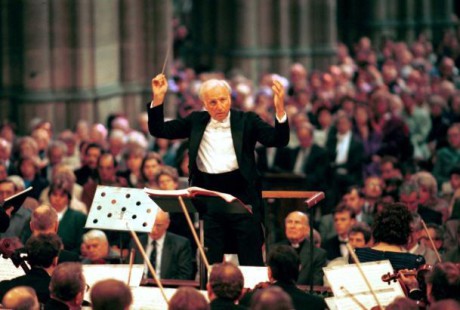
{"x":278,"y":91}
{"x":159,"y":89}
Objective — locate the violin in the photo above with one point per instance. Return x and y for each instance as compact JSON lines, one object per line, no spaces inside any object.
{"x":11,"y":247}
{"x":419,"y":275}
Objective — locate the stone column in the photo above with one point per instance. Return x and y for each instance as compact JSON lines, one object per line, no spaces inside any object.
{"x":301,"y":40}
{"x":266,"y":35}
{"x":281,"y":49}
{"x":36,"y":74}
{"x":132,"y":56}
{"x":324,"y":38}
{"x":245,"y":51}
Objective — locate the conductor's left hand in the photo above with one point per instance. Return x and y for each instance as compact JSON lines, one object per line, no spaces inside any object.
{"x":278,"y":91}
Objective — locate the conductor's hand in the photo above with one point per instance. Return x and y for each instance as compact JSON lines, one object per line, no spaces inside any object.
{"x":159,"y":89}
{"x":278,"y":91}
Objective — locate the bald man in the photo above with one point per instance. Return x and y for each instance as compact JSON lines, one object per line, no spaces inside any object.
{"x":169,"y":254}
{"x":21,"y":297}
{"x":297,"y":229}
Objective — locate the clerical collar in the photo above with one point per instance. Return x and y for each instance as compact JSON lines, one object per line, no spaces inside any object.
{"x":297,"y":245}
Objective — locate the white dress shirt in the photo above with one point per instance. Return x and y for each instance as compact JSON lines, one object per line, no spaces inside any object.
{"x":217,"y":153}
{"x":342,"y":148}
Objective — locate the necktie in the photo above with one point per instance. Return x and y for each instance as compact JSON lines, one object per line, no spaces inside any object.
{"x":153,"y":257}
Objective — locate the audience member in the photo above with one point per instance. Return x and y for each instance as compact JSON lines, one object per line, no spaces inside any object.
{"x":20,"y":298}
{"x":111,"y":294}
{"x":443,"y":282}
{"x":344,"y":218}
{"x":71,"y":222}
{"x":225,"y":286}
{"x":414,"y":246}
{"x":297,"y":228}
{"x":97,"y":248}
{"x":170,"y":254}
{"x":19,"y":218}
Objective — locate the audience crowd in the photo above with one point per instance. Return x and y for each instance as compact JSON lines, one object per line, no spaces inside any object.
{"x":378,"y":132}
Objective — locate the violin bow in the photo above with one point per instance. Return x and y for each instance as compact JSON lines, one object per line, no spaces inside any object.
{"x":431,"y":241}
{"x":358,"y":264}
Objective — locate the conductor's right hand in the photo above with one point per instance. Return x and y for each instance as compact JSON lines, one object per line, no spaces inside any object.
{"x":159,"y":89}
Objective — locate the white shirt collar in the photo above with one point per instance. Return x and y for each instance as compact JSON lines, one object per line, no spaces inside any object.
{"x":217,"y":124}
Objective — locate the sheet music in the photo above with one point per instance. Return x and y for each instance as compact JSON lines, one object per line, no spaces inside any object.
{"x":150,"y":298}
{"x":8,"y":270}
{"x":253,"y":275}
{"x":96,"y":273}
{"x":355,"y":294}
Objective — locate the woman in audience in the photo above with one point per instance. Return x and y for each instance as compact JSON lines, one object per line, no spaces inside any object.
{"x":149,"y":168}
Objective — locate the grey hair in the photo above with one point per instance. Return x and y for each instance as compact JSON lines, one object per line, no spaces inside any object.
{"x":211,"y":84}
{"x":94,"y":234}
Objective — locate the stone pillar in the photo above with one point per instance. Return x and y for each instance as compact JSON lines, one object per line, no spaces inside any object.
{"x":324,"y":38}
{"x":83,"y":63}
{"x":132,"y":57}
{"x":36,"y":74}
{"x":265,"y":35}
{"x":282,"y":57}
{"x":300,"y":27}
{"x":245,"y":51}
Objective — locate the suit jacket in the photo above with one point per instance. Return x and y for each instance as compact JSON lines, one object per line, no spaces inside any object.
{"x":332,"y":247}
{"x":71,"y":229}
{"x":263,"y":162}
{"x":353,"y":165}
{"x":315,"y":167}
{"x":301,"y":299}
{"x":54,"y":304}
{"x":247,"y":129}
{"x":427,"y":253}
{"x":224,"y":304}
{"x":318,"y":261}
{"x":176,"y":257}
{"x":37,"y":278}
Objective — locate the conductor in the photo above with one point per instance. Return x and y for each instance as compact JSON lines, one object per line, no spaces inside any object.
{"x":221,"y":152}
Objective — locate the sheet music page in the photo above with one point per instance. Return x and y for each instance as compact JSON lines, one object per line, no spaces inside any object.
{"x":96,"y":273}
{"x":253,"y":275}
{"x":8,"y":270}
{"x":354,"y":294}
{"x":150,"y":298}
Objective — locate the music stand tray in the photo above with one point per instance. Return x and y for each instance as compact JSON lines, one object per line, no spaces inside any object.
{"x":122,"y":208}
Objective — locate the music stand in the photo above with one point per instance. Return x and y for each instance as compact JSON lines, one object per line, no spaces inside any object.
{"x":200,"y":204}
{"x":121,"y":209}
{"x":124,"y":209}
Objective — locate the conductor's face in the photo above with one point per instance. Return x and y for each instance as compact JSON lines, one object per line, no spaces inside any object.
{"x":217,"y":102}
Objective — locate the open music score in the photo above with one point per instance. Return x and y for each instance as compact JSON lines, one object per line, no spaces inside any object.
{"x":354,"y":294}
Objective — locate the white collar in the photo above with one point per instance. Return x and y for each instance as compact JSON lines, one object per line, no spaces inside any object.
{"x":223,"y":124}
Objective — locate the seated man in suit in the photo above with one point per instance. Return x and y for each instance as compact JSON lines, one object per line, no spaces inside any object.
{"x":225,"y":286}
{"x":169,"y":254}
{"x":44,"y":220}
{"x":42,"y":253}
{"x":344,"y":219}
{"x":20,"y":218}
{"x":97,"y":248}
{"x":297,"y":230}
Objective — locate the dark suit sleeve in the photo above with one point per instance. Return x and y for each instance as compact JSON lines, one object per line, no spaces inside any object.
{"x":174,"y":129}
{"x":184,"y":261}
{"x":318,"y":263}
{"x":4,"y":220}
